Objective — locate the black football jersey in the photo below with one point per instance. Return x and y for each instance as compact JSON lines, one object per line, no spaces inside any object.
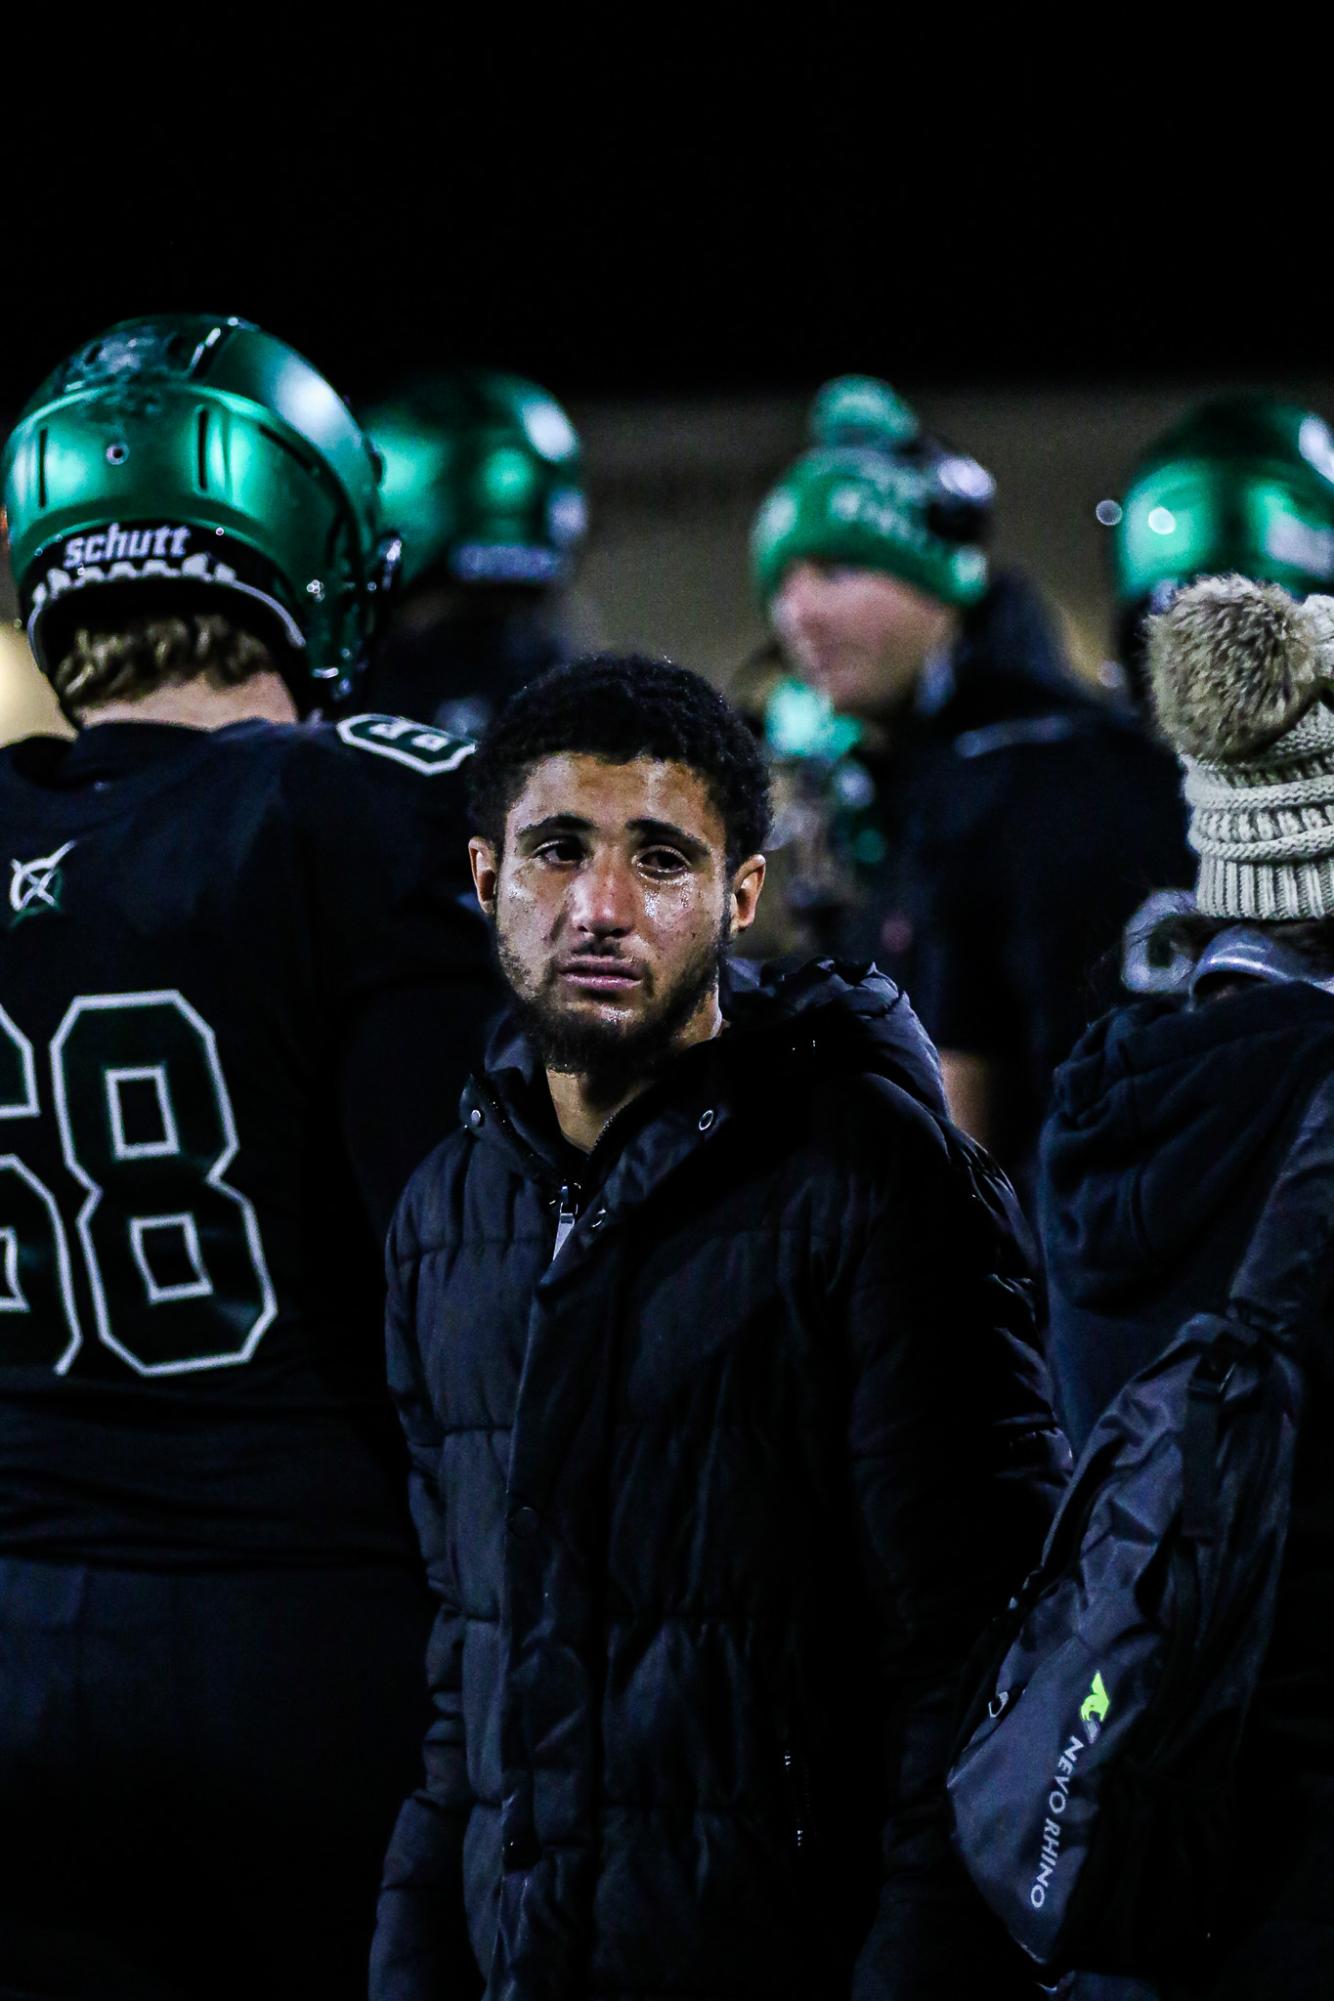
{"x":241,"y":973}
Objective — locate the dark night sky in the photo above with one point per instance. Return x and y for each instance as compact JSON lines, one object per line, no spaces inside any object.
{"x":628,"y":217}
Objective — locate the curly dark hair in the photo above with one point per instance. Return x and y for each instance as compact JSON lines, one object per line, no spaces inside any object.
{"x":618,"y":707}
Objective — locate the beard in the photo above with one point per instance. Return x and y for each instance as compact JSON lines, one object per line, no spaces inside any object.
{"x":611,"y":1055}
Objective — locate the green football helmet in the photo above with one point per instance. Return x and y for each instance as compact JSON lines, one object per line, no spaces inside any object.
{"x":1243,"y":483}
{"x":194,"y":460}
{"x":483,"y":474}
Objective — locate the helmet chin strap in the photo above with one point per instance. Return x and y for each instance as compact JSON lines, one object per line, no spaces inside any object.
{"x":336,"y":686}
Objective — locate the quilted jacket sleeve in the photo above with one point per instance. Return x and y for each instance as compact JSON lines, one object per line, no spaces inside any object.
{"x":956,"y":1465}
{"x":421,"y":1950}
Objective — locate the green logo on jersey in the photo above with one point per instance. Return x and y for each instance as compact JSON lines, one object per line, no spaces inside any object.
{"x":1093,"y":1710}
{"x":425,"y":750}
{"x":36,"y":887}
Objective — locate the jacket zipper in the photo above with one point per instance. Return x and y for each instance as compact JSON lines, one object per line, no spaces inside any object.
{"x":799,"y":1800}
{"x":567,"y":1214}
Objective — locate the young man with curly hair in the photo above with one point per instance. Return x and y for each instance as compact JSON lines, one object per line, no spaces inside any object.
{"x":711,"y":1340}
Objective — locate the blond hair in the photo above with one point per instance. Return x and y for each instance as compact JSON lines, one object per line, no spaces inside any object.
{"x":154,"y":652}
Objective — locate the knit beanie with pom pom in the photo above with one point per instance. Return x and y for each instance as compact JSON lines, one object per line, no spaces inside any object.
{"x":1243,"y":683}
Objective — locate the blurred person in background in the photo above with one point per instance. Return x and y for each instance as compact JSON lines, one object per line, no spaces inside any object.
{"x":1169,"y":1121}
{"x":237,"y":996}
{"x":483,"y":475}
{"x":1242,"y":485}
{"x":27,"y":706}
{"x":973,"y":779}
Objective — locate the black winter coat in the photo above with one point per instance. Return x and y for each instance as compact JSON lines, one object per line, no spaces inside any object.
{"x":1024,"y":821}
{"x":715,"y":1504}
{"x":1169,"y":1125}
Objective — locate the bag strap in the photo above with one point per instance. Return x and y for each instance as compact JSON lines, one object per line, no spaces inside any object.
{"x":1280,"y":1282}
{"x":1284,"y":1272}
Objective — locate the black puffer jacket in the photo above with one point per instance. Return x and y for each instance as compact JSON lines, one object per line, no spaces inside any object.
{"x":1023,"y":822}
{"x":1169,"y":1125}
{"x":715,"y":1503}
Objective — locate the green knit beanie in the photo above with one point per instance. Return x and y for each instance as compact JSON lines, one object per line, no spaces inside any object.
{"x":875,"y":492}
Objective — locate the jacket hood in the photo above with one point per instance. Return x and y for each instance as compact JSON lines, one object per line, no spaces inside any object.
{"x":1159,"y":1117}
{"x":855,"y":1017}
{"x":848,"y":1019}
{"x":1009,"y":660}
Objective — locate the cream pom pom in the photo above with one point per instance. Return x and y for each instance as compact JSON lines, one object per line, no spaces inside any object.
{"x":1234,"y":663}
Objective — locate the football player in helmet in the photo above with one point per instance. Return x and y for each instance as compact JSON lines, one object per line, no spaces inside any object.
{"x":1243,"y":485}
{"x":484,"y":476}
{"x":237,"y":998}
